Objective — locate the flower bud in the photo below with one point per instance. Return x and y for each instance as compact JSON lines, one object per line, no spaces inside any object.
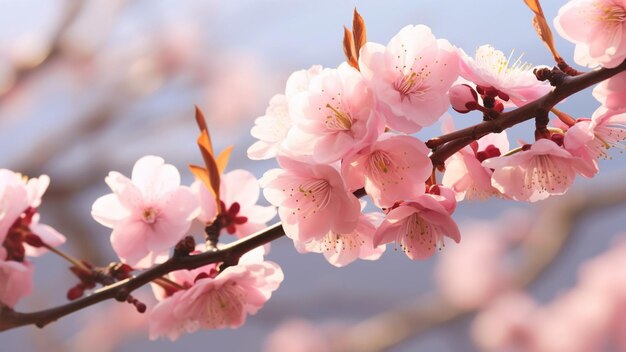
{"x":460,"y":96}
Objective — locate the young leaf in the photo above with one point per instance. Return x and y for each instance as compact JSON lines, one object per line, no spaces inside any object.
{"x":359,"y":32}
{"x":349,"y":49}
{"x":222,"y":159}
{"x":542,"y":28}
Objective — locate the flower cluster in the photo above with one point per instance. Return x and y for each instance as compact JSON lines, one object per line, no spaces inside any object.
{"x":21,"y":233}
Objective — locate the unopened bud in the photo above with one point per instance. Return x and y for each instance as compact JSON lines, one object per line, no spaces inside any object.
{"x":463,"y":98}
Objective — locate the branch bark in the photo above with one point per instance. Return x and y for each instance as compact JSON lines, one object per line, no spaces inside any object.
{"x":446,"y":145}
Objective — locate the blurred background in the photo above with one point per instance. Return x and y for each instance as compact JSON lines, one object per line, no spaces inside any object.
{"x":91,"y":86}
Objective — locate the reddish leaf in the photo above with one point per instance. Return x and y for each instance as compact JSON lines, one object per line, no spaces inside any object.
{"x":349,"y":49}
{"x":359,"y":32}
{"x":222,"y":159}
{"x":542,"y":27}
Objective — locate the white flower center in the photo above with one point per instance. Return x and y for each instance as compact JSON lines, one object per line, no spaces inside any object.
{"x":494,"y":60}
{"x":150,"y":215}
{"x":383,"y":169}
{"x":223,"y":306}
{"x":338,"y":120}
{"x":310,"y":195}
{"x":613,"y":14}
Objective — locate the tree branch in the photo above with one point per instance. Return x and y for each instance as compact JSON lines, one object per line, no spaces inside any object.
{"x":446,"y":145}
{"x":10,"y":319}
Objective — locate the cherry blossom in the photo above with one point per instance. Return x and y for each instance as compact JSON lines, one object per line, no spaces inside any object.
{"x":311,"y":198}
{"x":212,"y":300}
{"x":14,"y":200}
{"x":19,"y":220}
{"x":16,"y":280}
{"x":612,"y":93}
{"x":534,"y":174}
{"x":591,"y":139}
{"x":490,"y":68}
{"x":342,"y":249}
{"x":410,"y":77}
{"x":597,"y":27}
{"x":334,"y":117}
{"x":392,"y":169}
{"x":419,"y":226}
{"x":239,"y":190}
{"x":465,"y":174}
{"x":149,"y":213}
{"x":271,"y":129}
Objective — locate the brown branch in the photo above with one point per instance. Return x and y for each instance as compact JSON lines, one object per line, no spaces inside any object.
{"x":10,"y":319}
{"x":446,"y":145}
{"x":557,"y":219}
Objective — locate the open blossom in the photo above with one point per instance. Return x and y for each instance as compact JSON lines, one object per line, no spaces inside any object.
{"x":531,"y":175}
{"x":342,"y":249}
{"x":16,"y":280}
{"x":393,"y":169}
{"x":334,"y":117}
{"x":612,"y":93}
{"x":491,"y":68}
{"x":592,"y":138}
{"x":271,"y":129}
{"x":215,"y":301}
{"x":311,"y":198}
{"x":239,"y":190}
{"x":419,"y":226}
{"x":466,"y":175}
{"x":19,"y":199}
{"x":410,"y":77}
{"x":598,"y":29}
{"x":149,"y":213}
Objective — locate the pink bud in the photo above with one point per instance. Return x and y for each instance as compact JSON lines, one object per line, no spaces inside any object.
{"x":460,"y":96}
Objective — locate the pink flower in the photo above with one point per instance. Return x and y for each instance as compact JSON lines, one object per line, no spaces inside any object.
{"x":490,"y":68}
{"x":342,"y":249}
{"x":16,"y":280}
{"x":13,"y":200}
{"x":149,"y":213}
{"x":394,"y":168}
{"x":466,"y":175}
{"x":19,"y":198}
{"x":334,"y":117}
{"x":534,"y":174}
{"x":410,"y":77}
{"x":239,"y":190}
{"x":271,"y":129}
{"x":312,"y":199}
{"x":612,"y":92}
{"x":219,"y":301}
{"x":597,"y":27}
{"x":419,"y":226}
{"x":592,"y":139}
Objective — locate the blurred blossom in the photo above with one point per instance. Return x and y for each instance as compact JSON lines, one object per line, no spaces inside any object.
{"x":473,"y":273}
{"x":298,"y":335}
{"x":588,"y":317}
{"x":505,"y":324}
